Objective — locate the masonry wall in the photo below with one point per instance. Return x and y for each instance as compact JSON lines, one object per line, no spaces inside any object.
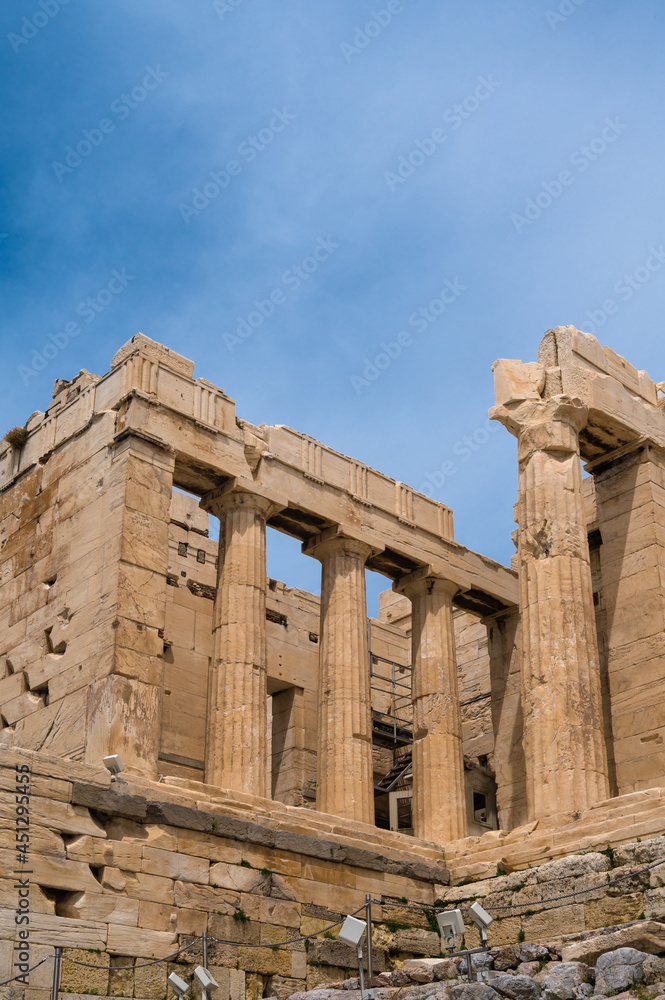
{"x":120,"y":872}
{"x":123,"y":873}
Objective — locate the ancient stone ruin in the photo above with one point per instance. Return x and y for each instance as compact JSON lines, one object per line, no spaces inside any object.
{"x":495,"y":736}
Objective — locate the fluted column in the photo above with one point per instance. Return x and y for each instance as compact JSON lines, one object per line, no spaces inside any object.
{"x":563,"y":739}
{"x":344,"y":772}
{"x":439,"y":803}
{"x":237,"y":714}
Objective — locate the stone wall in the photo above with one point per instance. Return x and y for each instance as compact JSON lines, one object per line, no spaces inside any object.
{"x":120,"y":874}
{"x":573,"y":894}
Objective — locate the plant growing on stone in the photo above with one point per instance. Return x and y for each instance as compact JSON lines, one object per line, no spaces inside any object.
{"x":609,"y":852}
{"x":521,"y":936}
{"x":16,"y":437}
{"x":240,"y":916}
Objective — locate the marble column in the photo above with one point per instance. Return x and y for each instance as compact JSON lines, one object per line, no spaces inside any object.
{"x":564,"y":748}
{"x":344,"y":768}
{"x":439,"y":803}
{"x":237,"y":717}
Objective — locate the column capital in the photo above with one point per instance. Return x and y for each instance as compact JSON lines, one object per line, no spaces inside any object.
{"x":340,"y":540}
{"x":551,"y":425}
{"x":237,"y":493}
{"x":425,"y":581}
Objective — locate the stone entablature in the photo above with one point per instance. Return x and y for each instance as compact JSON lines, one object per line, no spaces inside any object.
{"x":151,"y":389}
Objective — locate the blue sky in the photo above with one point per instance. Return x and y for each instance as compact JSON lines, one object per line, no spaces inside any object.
{"x":334,"y":124}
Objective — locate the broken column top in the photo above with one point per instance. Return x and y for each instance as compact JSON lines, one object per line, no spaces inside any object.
{"x":155,"y":352}
{"x":622,"y":403}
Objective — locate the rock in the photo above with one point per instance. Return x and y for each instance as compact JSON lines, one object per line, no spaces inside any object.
{"x":472,"y":991}
{"x":562,"y":979}
{"x":653,"y":969}
{"x":528,"y":968}
{"x":516,"y":987}
{"x":532,"y":952}
{"x":432,"y":991}
{"x":424,"y":970}
{"x":383,"y":979}
{"x":644,"y":935}
{"x":281,"y":987}
{"x":546,"y":971}
{"x":618,"y":970}
{"x":448,"y":968}
{"x":399,"y":978}
{"x":323,"y":995}
{"x":348,"y":984}
{"x":504,"y":958}
{"x":583,"y":990}
{"x":481,"y":963}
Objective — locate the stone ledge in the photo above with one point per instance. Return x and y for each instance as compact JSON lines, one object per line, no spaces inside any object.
{"x":644,"y":935}
{"x":113,"y":802}
{"x":106,"y":800}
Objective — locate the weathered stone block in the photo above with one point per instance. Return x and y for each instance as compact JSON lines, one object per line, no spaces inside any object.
{"x":265,"y":961}
{"x":81,"y":978}
{"x":283,"y":987}
{"x":554,"y":922}
{"x":608,"y":911}
{"x":107,"y":800}
{"x":121,"y":976}
{"x":472,"y":991}
{"x":561,"y":981}
{"x":419,"y":941}
{"x":516,"y":987}
{"x":618,"y":970}
{"x":239,"y":879}
{"x":173,"y":814}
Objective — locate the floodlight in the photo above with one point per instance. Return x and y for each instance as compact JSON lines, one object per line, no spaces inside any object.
{"x":352,"y":931}
{"x":481,"y":919}
{"x":178,"y":985}
{"x":450,"y":924}
{"x":113,"y":764}
{"x":205,"y":979}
